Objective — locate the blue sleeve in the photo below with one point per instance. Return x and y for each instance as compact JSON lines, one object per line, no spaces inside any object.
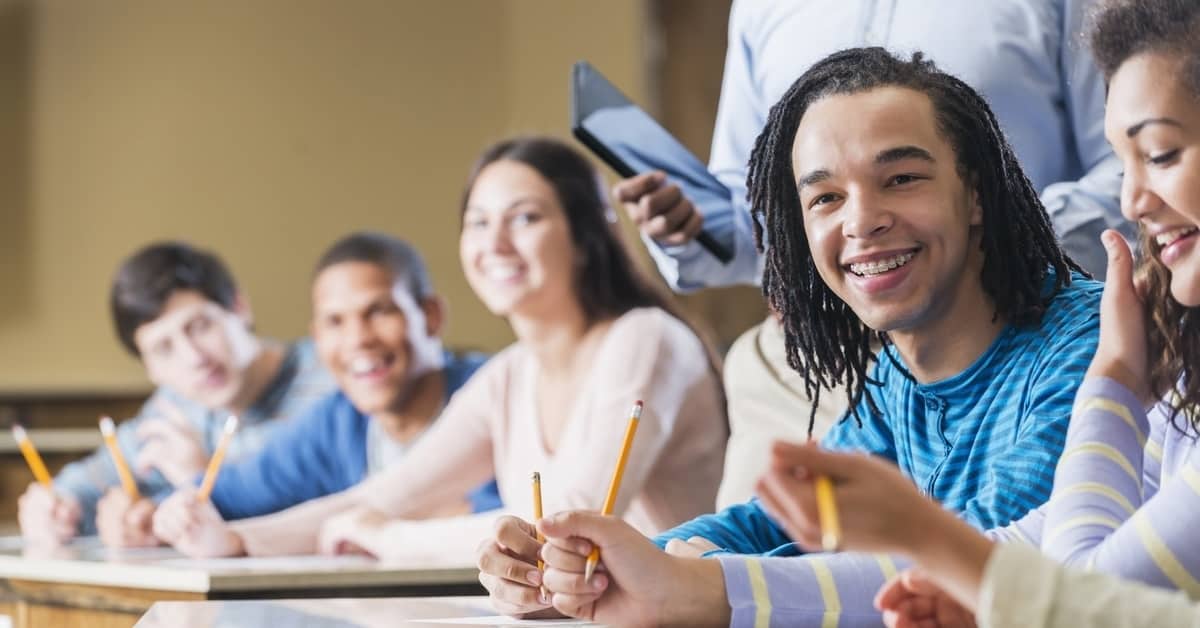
{"x":1081,"y":209}
{"x":88,"y":479}
{"x":485,"y":498}
{"x":299,"y":462}
{"x":741,"y":115}
{"x":740,"y":529}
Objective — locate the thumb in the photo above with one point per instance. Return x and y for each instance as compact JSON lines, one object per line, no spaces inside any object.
{"x":1120,"y":259}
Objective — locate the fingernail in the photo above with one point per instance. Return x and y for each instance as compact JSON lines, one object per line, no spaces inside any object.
{"x":534,"y":577}
{"x":1108,"y":238}
{"x":583,"y":547}
{"x":599,"y":582}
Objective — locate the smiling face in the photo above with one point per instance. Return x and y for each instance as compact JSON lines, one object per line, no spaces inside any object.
{"x":369,"y":338}
{"x":515,"y":246}
{"x":1153,"y":123}
{"x":893,"y":229}
{"x":198,"y":349}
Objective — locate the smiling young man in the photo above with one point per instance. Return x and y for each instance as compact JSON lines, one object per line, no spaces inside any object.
{"x":894,"y":210}
{"x":178,"y":310}
{"x":376,"y":323}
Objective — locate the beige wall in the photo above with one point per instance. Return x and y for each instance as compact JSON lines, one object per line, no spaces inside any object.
{"x":262,"y":129}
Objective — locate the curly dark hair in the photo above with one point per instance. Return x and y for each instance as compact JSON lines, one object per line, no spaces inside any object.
{"x":826,"y":341}
{"x":1120,"y":30}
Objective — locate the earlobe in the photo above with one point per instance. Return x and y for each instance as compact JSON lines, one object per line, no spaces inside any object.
{"x":241,"y":307}
{"x":434,"y":308}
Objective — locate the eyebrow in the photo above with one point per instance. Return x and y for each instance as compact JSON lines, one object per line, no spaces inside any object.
{"x":520,"y":201}
{"x":887,"y":156}
{"x":1137,"y":128}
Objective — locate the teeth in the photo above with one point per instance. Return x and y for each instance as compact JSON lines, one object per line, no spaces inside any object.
{"x":1168,"y":237}
{"x":501,"y":273}
{"x":877,"y":267}
{"x":363,"y":365}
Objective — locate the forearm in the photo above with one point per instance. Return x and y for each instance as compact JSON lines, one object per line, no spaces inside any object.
{"x":292,"y":531}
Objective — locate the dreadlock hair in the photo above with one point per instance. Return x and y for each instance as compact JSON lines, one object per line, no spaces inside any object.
{"x":1120,"y":30}
{"x":825,"y":340}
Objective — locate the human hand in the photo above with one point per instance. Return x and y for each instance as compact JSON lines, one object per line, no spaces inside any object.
{"x":171,"y":445}
{"x":508,"y":569}
{"x":635,"y":583}
{"x":659,"y":208}
{"x":694,"y":547}
{"x":195,"y":527}
{"x":124,"y":522}
{"x":46,"y":517}
{"x":1121,"y":352}
{"x":879,"y":510}
{"x":351,"y":532}
{"x":911,"y":600}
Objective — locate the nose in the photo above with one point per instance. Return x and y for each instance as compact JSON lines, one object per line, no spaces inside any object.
{"x":497,"y":238}
{"x":189,"y":350}
{"x":360,"y":333}
{"x":1137,"y":199}
{"x":865,"y":217}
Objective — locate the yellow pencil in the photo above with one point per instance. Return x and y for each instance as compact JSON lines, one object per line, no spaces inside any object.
{"x":32,"y":458}
{"x":827,"y":514}
{"x":537,"y":516}
{"x":109,"y":431}
{"x":214,"y":463}
{"x":610,"y":500}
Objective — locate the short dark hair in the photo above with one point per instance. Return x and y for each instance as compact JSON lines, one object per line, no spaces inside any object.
{"x":148,"y":278}
{"x":825,"y":340}
{"x":1121,"y":29}
{"x":393,"y":254}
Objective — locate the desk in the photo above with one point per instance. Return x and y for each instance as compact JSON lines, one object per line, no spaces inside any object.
{"x":86,"y":584}
{"x":359,"y":613}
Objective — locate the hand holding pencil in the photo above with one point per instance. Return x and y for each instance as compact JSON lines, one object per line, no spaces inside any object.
{"x":879,"y":509}
{"x":45,"y":517}
{"x":614,"y":485}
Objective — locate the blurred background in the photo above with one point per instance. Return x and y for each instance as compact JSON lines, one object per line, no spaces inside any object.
{"x":265,"y":129}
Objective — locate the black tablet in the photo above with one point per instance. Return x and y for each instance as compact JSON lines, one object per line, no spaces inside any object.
{"x":631,"y":142}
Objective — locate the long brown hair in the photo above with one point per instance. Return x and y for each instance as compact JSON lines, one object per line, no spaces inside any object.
{"x":607,"y":281}
{"x":1172,"y":341}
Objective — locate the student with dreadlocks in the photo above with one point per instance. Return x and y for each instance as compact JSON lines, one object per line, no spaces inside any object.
{"x":1126,"y":499}
{"x":895,"y":210}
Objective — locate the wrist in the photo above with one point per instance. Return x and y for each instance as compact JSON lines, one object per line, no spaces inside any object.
{"x":954,"y":555}
{"x":699,"y":599}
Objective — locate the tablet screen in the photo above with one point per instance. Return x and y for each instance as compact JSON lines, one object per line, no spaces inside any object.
{"x":631,"y":142}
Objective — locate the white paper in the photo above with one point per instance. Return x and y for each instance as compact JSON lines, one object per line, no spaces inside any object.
{"x":502,"y":620}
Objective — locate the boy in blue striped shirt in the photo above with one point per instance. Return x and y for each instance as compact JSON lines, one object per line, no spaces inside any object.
{"x":895,"y":213}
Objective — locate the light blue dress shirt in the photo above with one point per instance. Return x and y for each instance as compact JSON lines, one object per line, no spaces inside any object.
{"x":1024,"y":56}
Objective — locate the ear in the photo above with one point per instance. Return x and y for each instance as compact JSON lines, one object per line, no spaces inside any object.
{"x":241,"y":307}
{"x":976,"y":208}
{"x":434,"y":308}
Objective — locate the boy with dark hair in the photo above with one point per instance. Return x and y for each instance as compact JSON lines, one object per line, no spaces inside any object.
{"x":178,"y":310}
{"x":376,"y":323}
{"x":895,"y":211}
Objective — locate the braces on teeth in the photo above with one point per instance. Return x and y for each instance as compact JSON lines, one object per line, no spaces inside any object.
{"x":876,"y":268}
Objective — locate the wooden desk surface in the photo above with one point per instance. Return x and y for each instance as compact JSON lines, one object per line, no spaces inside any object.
{"x":335,"y":613}
{"x":86,"y":562}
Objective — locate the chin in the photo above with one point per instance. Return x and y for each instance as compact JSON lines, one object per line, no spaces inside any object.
{"x":1187,"y":296}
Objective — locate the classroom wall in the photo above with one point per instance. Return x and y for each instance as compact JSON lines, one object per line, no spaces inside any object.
{"x":262,"y":129}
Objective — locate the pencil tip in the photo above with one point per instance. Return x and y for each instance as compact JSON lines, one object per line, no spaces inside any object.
{"x":588,"y":570}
